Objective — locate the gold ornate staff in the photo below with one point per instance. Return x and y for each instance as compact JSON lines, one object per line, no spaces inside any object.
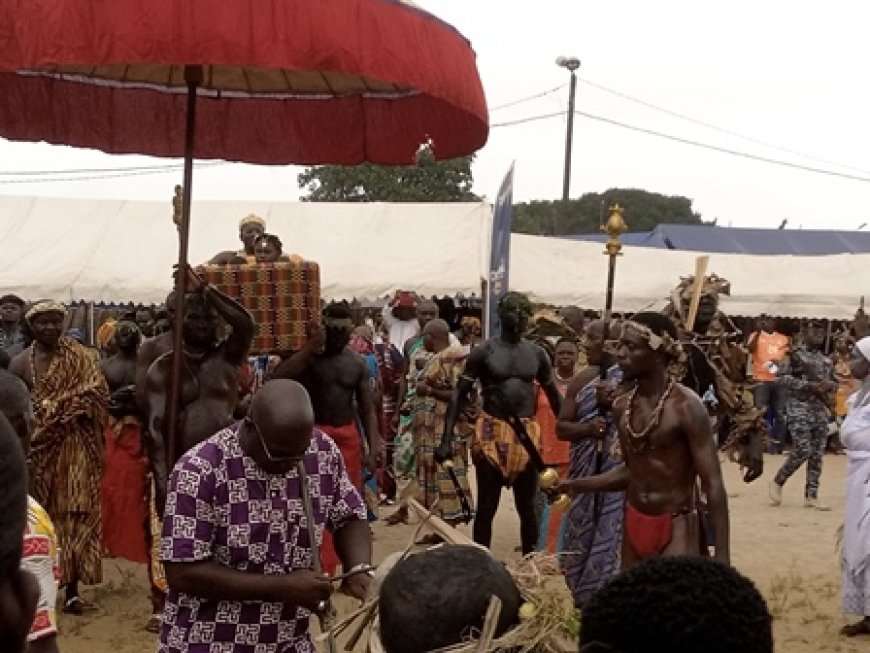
{"x":614,"y":228}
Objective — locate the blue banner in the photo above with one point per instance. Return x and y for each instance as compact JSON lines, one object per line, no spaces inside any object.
{"x":500,"y":253}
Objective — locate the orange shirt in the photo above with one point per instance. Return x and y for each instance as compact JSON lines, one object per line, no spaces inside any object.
{"x":768,"y":348}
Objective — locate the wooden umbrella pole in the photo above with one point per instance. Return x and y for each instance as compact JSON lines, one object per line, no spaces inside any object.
{"x":193,"y":77}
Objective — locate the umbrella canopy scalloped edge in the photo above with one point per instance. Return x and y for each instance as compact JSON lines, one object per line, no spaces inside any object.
{"x":366,"y":80}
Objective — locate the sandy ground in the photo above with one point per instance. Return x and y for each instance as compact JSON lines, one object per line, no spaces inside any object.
{"x":788,"y":551}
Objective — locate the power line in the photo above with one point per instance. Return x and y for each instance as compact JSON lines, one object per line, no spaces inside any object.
{"x":686,"y":141}
{"x":528,"y":98}
{"x":722,"y":130}
{"x":70,"y":171}
{"x":520,"y":121}
{"x":724,"y":150}
{"x":96,"y":177}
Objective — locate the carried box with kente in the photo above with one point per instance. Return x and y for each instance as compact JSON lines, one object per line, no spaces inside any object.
{"x":284,"y":298}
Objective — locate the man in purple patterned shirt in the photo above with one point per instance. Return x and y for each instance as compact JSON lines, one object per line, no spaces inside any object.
{"x":235,"y":540}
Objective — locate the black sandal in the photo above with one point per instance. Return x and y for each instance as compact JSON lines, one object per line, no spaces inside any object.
{"x":858,"y":628}
{"x":74,"y":606}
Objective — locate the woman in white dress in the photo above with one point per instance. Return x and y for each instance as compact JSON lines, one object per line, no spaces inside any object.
{"x":855,"y":435}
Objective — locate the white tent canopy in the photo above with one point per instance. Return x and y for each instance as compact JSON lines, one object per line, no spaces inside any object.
{"x":565,"y":272}
{"x":107,"y":250}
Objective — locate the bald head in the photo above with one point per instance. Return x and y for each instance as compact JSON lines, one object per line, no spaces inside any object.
{"x":437,"y":328}
{"x":282,"y":411}
{"x":436,"y":335}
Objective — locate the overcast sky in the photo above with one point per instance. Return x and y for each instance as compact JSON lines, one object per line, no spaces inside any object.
{"x":789,"y":76}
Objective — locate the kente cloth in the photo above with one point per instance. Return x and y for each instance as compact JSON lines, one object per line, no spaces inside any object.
{"x":649,"y":535}
{"x":40,"y":558}
{"x":222,"y":507}
{"x":855,"y":436}
{"x":557,"y":453}
{"x":125,"y":492}
{"x":592,"y":542}
{"x":404,"y":456}
{"x":349,"y":442}
{"x":156,"y":570}
{"x":69,"y":402}
{"x":496,"y":441}
{"x":436,"y":488}
{"x":283,"y":298}
{"x":390,"y":363}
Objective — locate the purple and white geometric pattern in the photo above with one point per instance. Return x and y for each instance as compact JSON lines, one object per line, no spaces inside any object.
{"x":222,"y":506}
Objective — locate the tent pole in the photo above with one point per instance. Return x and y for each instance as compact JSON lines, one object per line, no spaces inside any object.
{"x":193,"y":77}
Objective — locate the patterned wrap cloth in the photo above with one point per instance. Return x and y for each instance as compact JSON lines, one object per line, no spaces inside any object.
{"x":496,"y":441}
{"x":222,"y":507}
{"x":283,"y":298}
{"x":404,"y":458}
{"x":69,"y":402}
{"x":592,"y":542}
{"x":441,"y":372}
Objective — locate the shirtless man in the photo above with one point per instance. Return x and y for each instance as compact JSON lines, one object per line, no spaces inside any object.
{"x":120,"y":369}
{"x":667,"y":445}
{"x":337,"y":379}
{"x":125,"y":481}
{"x":210,"y":375}
{"x":507,"y":367}
{"x":151,"y":350}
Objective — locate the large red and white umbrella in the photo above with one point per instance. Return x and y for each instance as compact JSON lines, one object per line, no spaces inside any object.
{"x":260,"y":81}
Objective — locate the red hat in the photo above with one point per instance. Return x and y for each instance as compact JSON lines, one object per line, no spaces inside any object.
{"x":406,"y":299}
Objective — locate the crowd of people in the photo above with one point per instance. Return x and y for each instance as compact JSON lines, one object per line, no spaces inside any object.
{"x":256,"y":500}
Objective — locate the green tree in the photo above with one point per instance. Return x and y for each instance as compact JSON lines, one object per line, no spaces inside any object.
{"x":429,"y":181}
{"x":643,"y":211}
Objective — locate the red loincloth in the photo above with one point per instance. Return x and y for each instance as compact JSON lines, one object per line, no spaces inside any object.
{"x":124,"y":493}
{"x":649,"y":534}
{"x":349,"y":441}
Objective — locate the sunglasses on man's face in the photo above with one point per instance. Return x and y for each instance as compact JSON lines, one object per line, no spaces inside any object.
{"x":269,"y":455}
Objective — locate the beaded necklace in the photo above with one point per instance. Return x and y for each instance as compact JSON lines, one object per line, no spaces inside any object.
{"x":654,"y":418}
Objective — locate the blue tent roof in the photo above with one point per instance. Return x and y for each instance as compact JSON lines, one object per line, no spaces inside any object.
{"x":727,"y":240}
